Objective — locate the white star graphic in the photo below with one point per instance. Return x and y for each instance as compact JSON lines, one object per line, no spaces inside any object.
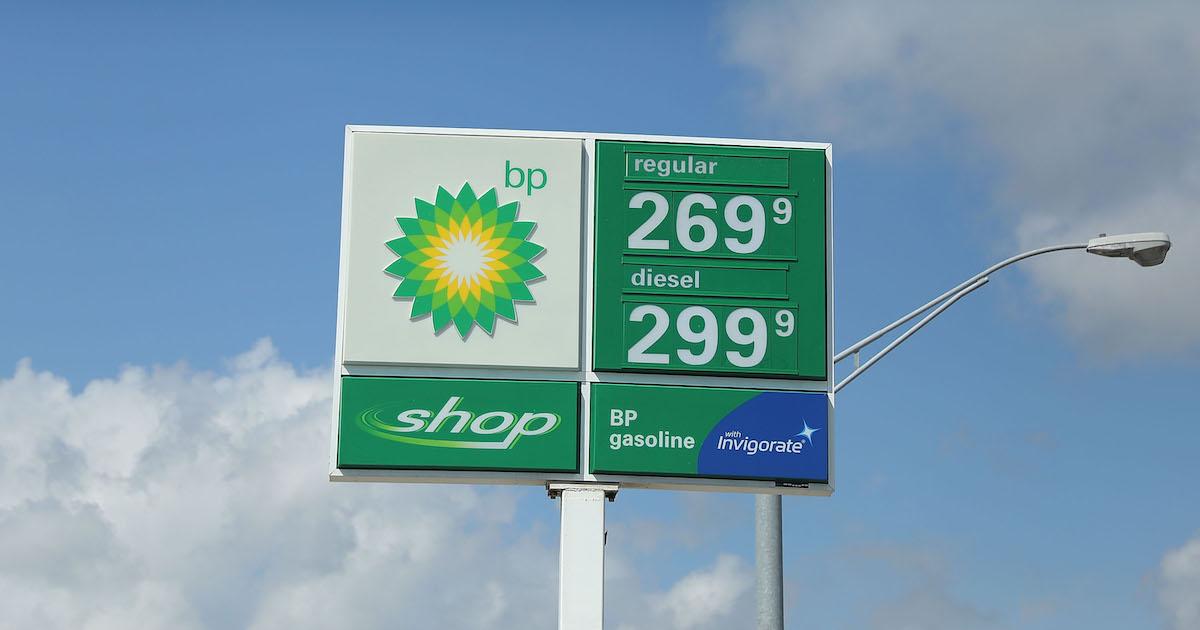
{"x":807,"y":432}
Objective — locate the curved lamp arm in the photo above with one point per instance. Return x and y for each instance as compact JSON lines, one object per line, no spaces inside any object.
{"x":1147,"y":249}
{"x":937,"y":300}
{"x":910,"y":332}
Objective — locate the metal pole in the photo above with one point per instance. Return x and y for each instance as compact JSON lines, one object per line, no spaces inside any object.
{"x":768,"y":557}
{"x":581,"y":554}
{"x":768,"y":509}
{"x":768,"y":512}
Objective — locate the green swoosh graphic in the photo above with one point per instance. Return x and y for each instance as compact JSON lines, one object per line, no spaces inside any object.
{"x":373,"y":423}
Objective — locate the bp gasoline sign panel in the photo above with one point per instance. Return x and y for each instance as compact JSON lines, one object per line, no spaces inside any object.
{"x":710,"y":433}
{"x":446,"y":424}
{"x":710,"y":259}
{"x":464,"y":297}
{"x":462,"y":250}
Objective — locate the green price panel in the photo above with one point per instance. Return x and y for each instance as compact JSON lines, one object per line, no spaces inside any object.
{"x":710,"y":260}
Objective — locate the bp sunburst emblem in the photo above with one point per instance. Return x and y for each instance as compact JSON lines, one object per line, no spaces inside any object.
{"x":465,"y":260}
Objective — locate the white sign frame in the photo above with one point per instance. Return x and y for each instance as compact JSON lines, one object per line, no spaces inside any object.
{"x":584,"y":375}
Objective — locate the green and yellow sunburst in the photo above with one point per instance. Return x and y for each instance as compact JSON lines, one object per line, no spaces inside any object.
{"x":465,"y":260}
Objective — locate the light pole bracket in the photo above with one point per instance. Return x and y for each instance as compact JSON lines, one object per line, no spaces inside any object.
{"x":554,"y":490}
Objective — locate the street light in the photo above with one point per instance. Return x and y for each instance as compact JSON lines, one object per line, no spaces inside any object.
{"x":1145,"y":248}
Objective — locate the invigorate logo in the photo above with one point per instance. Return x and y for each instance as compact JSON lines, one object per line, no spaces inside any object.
{"x":737,"y":441}
{"x":450,"y":427}
{"x":763,"y":439}
{"x":465,"y":260}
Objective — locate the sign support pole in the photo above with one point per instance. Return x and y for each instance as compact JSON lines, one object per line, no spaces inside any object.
{"x":768,"y":556}
{"x":581,"y":554}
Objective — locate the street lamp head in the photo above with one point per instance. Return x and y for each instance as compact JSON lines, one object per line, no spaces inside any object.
{"x":1144,"y":248}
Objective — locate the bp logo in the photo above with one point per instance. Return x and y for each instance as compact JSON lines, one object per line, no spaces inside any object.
{"x":465,"y":260}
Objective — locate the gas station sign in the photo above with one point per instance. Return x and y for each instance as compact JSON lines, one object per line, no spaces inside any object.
{"x":450,"y":424}
{"x":710,"y":259}
{"x":724,"y":434}
{"x":528,"y":307}
{"x":461,"y":250}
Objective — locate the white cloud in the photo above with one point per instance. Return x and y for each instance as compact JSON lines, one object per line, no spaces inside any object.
{"x":918,"y":589}
{"x":1180,"y":585}
{"x":707,"y":594}
{"x":716,"y":596}
{"x":171,"y":498}
{"x":1086,"y":115}
{"x":930,"y":608}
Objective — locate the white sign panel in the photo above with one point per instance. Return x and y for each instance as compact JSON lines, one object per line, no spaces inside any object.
{"x":463,"y":251}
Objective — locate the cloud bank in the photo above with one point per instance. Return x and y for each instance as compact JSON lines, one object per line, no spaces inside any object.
{"x":1085,"y":115}
{"x":171,"y":498}
{"x":1180,"y":585}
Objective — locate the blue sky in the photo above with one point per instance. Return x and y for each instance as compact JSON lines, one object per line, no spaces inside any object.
{"x":171,"y":191}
